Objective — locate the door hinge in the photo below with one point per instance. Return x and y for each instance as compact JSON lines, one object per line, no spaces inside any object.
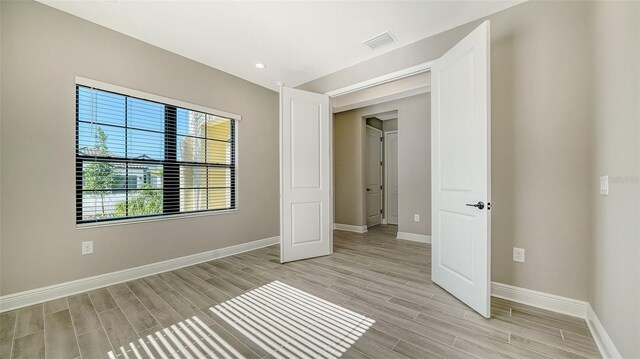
{"x":380,"y":187}
{"x":380,"y":211}
{"x":380,"y":163}
{"x":381,"y":139}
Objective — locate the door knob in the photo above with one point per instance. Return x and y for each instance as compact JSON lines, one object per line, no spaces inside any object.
{"x":479,"y":205}
{"x":368,"y":189}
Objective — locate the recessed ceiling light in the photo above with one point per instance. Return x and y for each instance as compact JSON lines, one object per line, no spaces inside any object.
{"x":260,"y":66}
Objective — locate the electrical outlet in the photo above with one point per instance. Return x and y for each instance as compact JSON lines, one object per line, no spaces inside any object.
{"x":87,"y":247}
{"x":416,"y":218}
{"x":604,"y":185}
{"x":518,"y":255}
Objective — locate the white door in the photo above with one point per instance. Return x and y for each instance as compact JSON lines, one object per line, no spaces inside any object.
{"x":391,"y":171}
{"x":460,"y":163}
{"x":374,"y":176}
{"x":305,"y":175}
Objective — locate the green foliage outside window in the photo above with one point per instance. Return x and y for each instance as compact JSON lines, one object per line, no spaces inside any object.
{"x":103,"y":177}
{"x":100,"y":177}
{"x":147,"y":201}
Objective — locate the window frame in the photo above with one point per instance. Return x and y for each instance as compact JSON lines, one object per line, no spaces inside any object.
{"x":102,"y":86}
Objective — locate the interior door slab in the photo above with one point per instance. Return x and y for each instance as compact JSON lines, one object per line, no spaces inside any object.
{"x":391,"y":183}
{"x":461,"y":170}
{"x":305,"y":175}
{"x":374,"y":176}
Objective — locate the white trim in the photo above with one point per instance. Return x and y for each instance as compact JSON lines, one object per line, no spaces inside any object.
{"x":382,"y":99}
{"x":563,"y":305}
{"x":423,"y":238}
{"x":39,"y":295}
{"x":134,"y":220}
{"x":600,"y":336}
{"x":153,"y":97}
{"x":552,"y":302}
{"x":350,"y":228}
{"x":393,"y":76}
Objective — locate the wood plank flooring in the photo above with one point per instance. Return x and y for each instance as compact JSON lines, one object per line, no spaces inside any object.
{"x":371,"y":274}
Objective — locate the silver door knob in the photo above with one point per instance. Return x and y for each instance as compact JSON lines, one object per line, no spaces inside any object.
{"x":479,"y":205}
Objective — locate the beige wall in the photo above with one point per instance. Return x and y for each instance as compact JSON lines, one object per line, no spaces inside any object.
{"x":390,"y":125}
{"x":414,"y":182}
{"x":42,"y":52}
{"x":540,"y":125}
{"x":614,"y":266}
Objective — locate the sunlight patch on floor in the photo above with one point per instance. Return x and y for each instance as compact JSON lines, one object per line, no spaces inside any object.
{"x":284,"y":321}
{"x":188,"y":339}
{"x":289,"y":323}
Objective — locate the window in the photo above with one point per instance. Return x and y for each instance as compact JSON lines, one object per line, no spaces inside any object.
{"x":139,"y":158}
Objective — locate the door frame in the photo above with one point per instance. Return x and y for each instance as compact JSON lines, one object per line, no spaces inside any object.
{"x":386,"y":173}
{"x":379,"y":80}
{"x":382,"y":191}
{"x":362,"y":85}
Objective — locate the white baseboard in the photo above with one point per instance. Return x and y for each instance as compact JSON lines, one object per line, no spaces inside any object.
{"x":564,"y":305}
{"x":350,"y":228}
{"x":552,"y":302}
{"x":602,"y":339}
{"x":39,"y":295}
{"x":414,"y":237}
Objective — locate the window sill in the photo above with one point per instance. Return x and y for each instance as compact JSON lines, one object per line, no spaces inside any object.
{"x":125,"y":221}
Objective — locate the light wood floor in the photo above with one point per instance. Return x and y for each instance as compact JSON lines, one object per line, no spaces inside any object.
{"x":372,"y":274}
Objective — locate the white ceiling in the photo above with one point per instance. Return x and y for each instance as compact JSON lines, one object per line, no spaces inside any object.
{"x":298,"y":41}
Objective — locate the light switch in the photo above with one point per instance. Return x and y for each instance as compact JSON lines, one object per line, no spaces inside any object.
{"x":604,"y":185}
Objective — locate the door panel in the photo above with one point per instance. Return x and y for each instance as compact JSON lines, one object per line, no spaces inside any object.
{"x":461,"y":176}
{"x":306,"y":164}
{"x":305,"y":178}
{"x":374,"y":176}
{"x":456,"y":233}
{"x":391,"y":183}
{"x":306,"y":221}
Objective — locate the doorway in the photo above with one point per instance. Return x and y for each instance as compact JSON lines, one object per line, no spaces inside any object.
{"x":382,"y":138}
{"x":460,"y":163}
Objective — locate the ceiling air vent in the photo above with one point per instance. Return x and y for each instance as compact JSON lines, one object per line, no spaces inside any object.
{"x":379,"y":40}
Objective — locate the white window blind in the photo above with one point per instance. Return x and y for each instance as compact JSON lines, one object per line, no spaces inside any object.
{"x":140,"y":158}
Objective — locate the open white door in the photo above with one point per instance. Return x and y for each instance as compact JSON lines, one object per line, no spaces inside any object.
{"x":374,"y":176}
{"x":461,"y":171}
{"x":391,"y":171}
{"x":305,"y":175}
